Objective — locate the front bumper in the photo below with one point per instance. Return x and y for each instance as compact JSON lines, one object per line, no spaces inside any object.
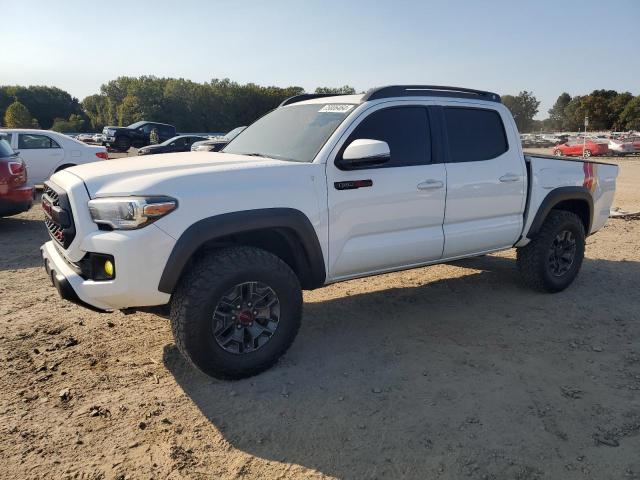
{"x":139,"y":265}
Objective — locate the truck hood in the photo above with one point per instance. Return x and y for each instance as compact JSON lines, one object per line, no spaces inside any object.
{"x":147,"y":175}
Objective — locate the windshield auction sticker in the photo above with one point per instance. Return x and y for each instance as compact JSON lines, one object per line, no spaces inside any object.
{"x":336,"y":108}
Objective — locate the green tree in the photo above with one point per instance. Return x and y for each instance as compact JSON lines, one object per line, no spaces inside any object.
{"x":17,"y":116}
{"x":523,"y":107}
{"x":556,"y":113}
{"x":630,"y":116}
{"x":616,"y":107}
{"x":98,"y":112}
{"x":344,"y":90}
{"x":574,"y":115}
{"x":44,"y":103}
{"x":74,"y":124}
{"x":129,"y":111}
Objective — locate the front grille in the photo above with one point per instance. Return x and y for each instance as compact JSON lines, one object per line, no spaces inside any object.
{"x":58,"y":214}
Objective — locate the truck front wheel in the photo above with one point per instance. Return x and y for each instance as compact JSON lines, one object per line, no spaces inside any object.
{"x":122,"y":144}
{"x":236,"y":312}
{"x":551,"y":261}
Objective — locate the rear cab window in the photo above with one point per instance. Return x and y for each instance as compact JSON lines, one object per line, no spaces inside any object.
{"x":474,"y":134}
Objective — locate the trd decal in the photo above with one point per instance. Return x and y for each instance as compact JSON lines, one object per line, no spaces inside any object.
{"x":352,"y":184}
{"x":590,"y":176}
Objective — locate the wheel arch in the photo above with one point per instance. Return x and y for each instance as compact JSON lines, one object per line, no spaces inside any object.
{"x":285,"y":232}
{"x":577,"y":200}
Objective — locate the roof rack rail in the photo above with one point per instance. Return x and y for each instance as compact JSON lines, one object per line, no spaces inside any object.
{"x":307,"y":96}
{"x":429,"y":91}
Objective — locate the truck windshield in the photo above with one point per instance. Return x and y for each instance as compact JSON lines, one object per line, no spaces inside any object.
{"x":295,"y":133}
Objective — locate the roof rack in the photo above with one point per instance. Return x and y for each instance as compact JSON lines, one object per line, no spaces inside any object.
{"x":429,"y":91}
{"x":308,"y":96}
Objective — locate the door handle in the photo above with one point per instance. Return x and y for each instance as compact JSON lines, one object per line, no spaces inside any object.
{"x":509,"y":177}
{"x":430,"y":184}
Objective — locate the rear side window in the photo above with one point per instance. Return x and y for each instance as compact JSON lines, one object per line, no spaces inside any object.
{"x":474,"y":134}
{"x":28,"y":141}
{"x":166,"y":131}
{"x":406,"y":131}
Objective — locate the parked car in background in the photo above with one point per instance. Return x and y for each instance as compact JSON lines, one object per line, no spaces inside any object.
{"x":621,"y":146}
{"x":577,"y":146}
{"x":216,"y":144}
{"x":137,"y":135}
{"x":84,"y":137}
{"x":636,"y":143}
{"x":15,"y":195}
{"x":181,"y":143}
{"x":551,"y":138}
{"x":46,"y":152}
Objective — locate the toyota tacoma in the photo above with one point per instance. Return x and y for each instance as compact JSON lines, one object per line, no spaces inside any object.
{"x":320,"y":190}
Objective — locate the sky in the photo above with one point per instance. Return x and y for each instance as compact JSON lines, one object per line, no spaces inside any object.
{"x":542,"y":46}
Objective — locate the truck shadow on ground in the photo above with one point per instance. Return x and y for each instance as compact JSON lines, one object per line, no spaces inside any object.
{"x":454,"y":377}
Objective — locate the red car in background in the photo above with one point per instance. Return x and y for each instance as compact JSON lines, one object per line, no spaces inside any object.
{"x":575,"y":147}
{"x":15,"y":196}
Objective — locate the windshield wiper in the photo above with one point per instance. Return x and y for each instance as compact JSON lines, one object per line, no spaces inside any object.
{"x":272,"y":156}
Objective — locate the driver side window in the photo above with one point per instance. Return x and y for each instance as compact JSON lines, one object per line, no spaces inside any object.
{"x":406,"y":131}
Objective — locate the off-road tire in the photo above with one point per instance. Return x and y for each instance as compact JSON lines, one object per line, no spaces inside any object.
{"x":533,"y":259}
{"x":122,"y":144}
{"x":199,"y":292}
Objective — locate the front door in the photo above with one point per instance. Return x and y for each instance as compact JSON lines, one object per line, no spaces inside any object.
{"x":389,"y":216}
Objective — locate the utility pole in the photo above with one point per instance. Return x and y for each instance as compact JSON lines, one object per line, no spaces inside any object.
{"x":584,"y":137}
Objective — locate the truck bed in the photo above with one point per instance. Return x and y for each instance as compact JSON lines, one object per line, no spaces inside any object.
{"x":547,"y":174}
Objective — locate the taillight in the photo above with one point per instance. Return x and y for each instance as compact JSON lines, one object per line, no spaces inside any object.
{"x":102,"y":155}
{"x":16,"y":168}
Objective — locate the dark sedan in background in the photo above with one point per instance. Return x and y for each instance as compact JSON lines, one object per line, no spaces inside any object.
{"x":217,"y":143}
{"x":181,"y":143}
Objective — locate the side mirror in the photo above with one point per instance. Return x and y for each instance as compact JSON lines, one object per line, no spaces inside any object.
{"x":363,"y":153}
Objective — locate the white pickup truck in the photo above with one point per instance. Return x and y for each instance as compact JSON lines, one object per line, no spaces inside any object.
{"x":322,"y":189}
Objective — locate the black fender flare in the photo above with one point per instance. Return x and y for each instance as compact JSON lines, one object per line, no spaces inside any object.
{"x":553,"y":198}
{"x":292,"y":221}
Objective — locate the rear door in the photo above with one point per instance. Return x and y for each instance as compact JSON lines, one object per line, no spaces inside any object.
{"x":41,"y":153}
{"x":388,"y":216}
{"x":486,"y":180}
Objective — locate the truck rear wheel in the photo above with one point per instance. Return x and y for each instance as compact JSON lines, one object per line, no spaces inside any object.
{"x":551,"y":261}
{"x":236,"y":312}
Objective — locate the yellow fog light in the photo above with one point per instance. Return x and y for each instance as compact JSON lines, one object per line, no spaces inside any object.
{"x":108,"y":268}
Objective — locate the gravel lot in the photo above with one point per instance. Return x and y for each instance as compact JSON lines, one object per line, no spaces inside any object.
{"x":452,"y":371}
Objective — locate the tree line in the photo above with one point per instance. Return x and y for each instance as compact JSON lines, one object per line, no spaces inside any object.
{"x":221,"y":105}
{"x":606,"y":109}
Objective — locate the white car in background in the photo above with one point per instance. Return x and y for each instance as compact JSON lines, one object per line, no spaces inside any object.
{"x":622,"y":146}
{"x":46,"y":152}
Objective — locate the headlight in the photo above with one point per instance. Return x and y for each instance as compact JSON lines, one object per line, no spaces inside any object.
{"x":111,"y":132}
{"x":129,"y":213}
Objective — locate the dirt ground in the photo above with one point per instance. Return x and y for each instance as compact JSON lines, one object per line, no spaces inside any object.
{"x":452,"y":371}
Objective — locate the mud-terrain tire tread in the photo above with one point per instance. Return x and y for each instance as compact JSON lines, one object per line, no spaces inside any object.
{"x":194,"y":292}
{"x":531,"y":259}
